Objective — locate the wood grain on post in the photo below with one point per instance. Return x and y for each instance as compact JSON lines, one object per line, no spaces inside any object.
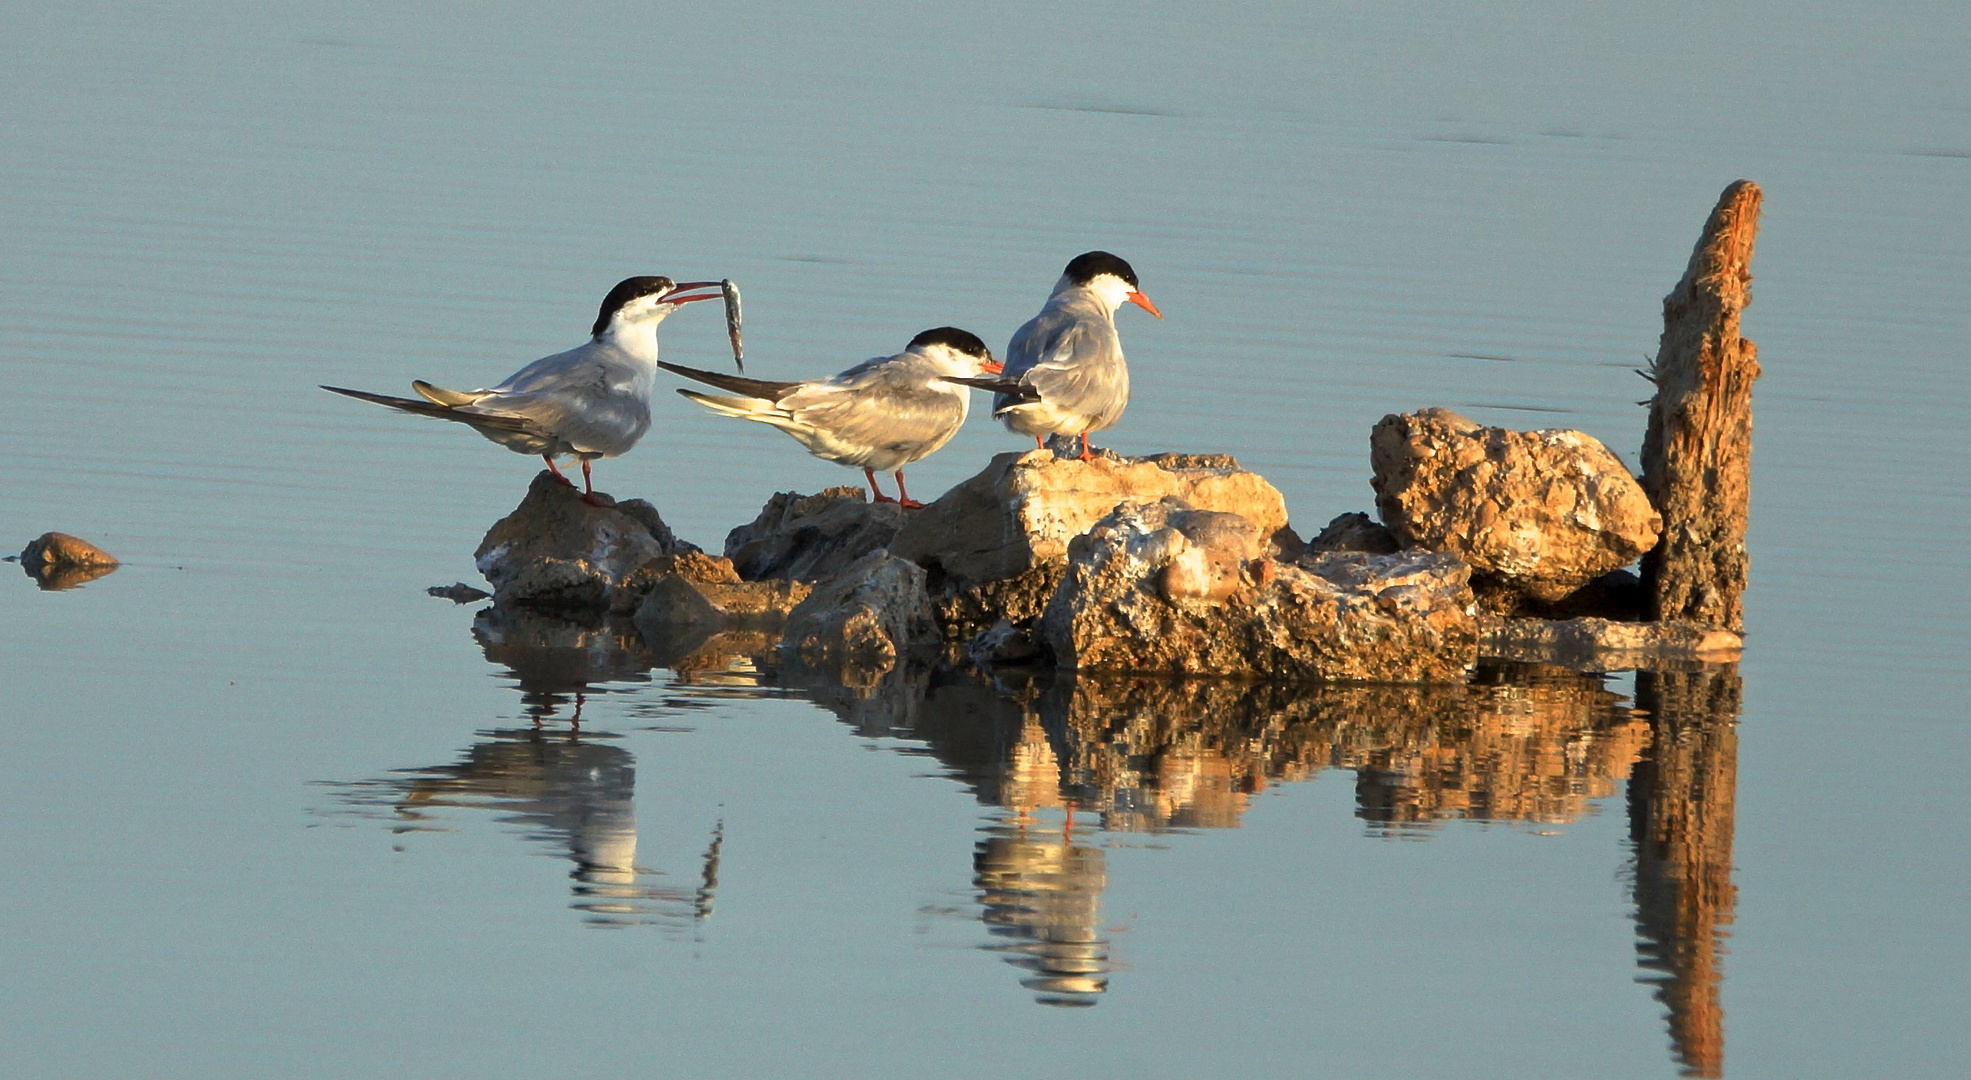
{"x":1697,"y":453}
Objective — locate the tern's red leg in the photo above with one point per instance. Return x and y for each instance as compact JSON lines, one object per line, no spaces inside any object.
{"x":1085,"y":455}
{"x":1039,"y":443}
{"x":904,"y":496}
{"x":588,"y":485}
{"x":880,"y":497}
{"x":549,"y":458}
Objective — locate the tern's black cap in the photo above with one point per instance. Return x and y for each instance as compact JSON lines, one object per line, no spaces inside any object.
{"x":625,"y":291}
{"x":953,"y":338}
{"x":1088,"y":266}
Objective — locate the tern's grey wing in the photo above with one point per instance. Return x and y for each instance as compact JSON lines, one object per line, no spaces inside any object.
{"x":590,"y":406}
{"x":1074,"y":364}
{"x":879,"y":423}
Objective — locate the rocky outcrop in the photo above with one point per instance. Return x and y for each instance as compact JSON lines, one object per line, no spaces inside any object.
{"x":808,"y":537}
{"x":56,"y":561}
{"x":997,"y":544}
{"x":555,"y":550}
{"x":1542,"y":511}
{"x":1164,"y":587}
{"x":862,"y":621}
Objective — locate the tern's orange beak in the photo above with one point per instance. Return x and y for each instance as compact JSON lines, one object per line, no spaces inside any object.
{"x":673,"y":296}
{"x":1143,"y":302}
{"x":993,"y":367}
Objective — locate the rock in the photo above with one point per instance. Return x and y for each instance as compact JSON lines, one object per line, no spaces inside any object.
{"x":1355,"y":532}
{"x":997,"y":544}
{"x":1617,"y":595}
{"x":59,"y":561}
{"x":555,"y":550}
{"x":863,"y":620}
{"x":1589,"y":644}
{"x":697,"y":614}
{"x":1002,"y":644}
{"x":1166,"y":588}
{"x":54,"y":549}
{"x":1545,"y":511}
{"x":807,"y":537}
{"x":459,"y":593}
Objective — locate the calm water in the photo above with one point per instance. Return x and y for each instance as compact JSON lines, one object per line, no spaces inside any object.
{"x":271,"y":811}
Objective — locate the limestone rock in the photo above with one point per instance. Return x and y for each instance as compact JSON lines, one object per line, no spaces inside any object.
{"x":1589,"y":644}
{"x":697,"y":614}
{"x":806,"y":537}
{"x":555,"y":550}
{"x":997,"y":544}
{"x":59,"y":561}
{"x":1163,"y":587}
{"x":1546,"y":511}
{"x":863,"y":620}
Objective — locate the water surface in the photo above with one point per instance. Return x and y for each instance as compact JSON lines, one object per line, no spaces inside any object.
{"x":270,"y":810}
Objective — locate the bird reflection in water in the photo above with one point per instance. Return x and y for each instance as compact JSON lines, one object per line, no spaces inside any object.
{"x":567,"y":787}
{"x":1041,"y":892}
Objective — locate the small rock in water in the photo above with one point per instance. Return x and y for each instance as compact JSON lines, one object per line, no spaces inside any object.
{"x":1544,"y":511}
{"x":863,"y":621}
{"x":555,"y":550}
{"x":459,"y":593}
{"x":59,"y":561}
{"x":808,"y":537}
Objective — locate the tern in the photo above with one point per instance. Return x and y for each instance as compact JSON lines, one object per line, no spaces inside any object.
{"x":881,"y":414}
{"x":589,"y":402}
{"x":1064,"y":369}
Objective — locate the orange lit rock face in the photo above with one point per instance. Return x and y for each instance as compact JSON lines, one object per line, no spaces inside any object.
{"x":59,"y":561}
{"x":1162,"y":587}
{"x":1546,"y":511}
{"x":996,"y":544}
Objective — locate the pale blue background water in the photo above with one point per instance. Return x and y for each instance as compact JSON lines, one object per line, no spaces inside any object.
{"x":205,"y":210}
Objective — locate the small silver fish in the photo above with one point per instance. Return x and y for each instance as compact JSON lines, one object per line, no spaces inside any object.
{"x":731,"y":292}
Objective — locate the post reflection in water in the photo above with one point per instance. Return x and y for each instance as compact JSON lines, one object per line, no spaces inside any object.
{"x":1519,"y":743}
{"x":567,"y":787}
{"x":1681,"y":808}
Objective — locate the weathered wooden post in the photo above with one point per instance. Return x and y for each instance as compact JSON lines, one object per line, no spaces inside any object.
{"x":1697,"y":453}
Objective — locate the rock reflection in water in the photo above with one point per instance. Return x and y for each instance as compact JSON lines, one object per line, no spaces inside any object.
{"x":555,"y":659}
{"x":1519,"y":743}
{"x":1149,"y":755}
